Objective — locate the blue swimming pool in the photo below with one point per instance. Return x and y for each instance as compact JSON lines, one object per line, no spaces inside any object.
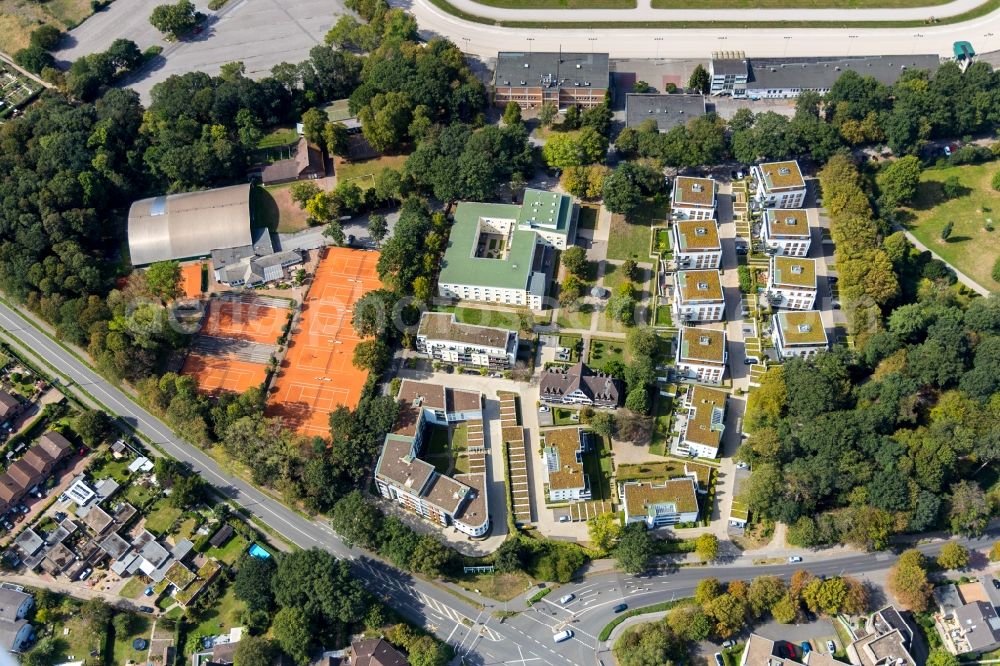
{"x":257,"y":551}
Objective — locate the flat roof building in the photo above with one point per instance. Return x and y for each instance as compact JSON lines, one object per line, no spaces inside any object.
{"x":657,"y":504}
{"x":698,"y":296}
{"x":562,"y":79}
{"x":705,"y":423}
{"x":441,"y":337}
{"x":503,"y":253}
{"x":667,"y":111}
{"x":778,"y":185}
{"x":188,"y":225}
{"x":799,"y":334}
{"x":791,"y":283}
{"x":701,"y":354}
{"x":786,"y":231}
{"x":693,"y":198}
{"x":563,"y":450}
{"x":696,"y":243}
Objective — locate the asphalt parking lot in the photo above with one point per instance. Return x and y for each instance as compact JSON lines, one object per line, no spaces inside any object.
{"x":261,"y":33}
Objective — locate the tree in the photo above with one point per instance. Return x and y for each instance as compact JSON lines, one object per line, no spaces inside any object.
{"x":512,"y":113}
{"x":763,"y":593}
{"x":378,"y":227}
{"x":941,"y":657}
{"x":313,"y":125}
{"x":46,"y":37}
{"x":638,"y":400}
{"x":43,"y":653}
{"x":547,"y":113}
{"x":995,"y":552}
{"x":124,"y":623}
{"x":700,"y":81}
{"x":603,"y":423}
{"x":969,"y":512}
{"x":386,"y":119}
{"x":371,"y":355}
{"x":898,"y":181}
{"x":689,"y":622}
{"x":34,"y":59}
{"x":431,"y":557}
{"x":604,"y":530}
{"x":785,"y":610}
{"x":629,"y":268}
{"x":323,"y":587}
{"x":574,"y":259}
{"x":729,"y":613}
{"x":568,"y":149}
{"x":953,"y":557}
{"x":337,"y":139}
{"x":908,"y":581}
{"x":163,"y":278}
{"x":621,"y":192}
{"x":96,"y":613}
{"x":569,"y":291}
{"x":995,"y":181}
{"x":253,"y":651}
{"x":252,"y":583}
{"x":635,"y":548}
{"x":303,"y":191}
{"x":174,"y":20}
{"x":335,"y":232}
{"x":428,"y":651}
{"x":571,"y":120}
{"x":93,"y":426}
{"x":357,"y":521}
{"x":706,"y":590}
{"x":946,"y":230}
{"x":291,"y":630}
{"x":952,"y":187}
{"x":706,"y":547}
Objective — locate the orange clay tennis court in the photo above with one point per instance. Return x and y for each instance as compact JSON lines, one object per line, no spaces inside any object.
{"x":223,"y":374}
{"x":317,"y":375}
{"x":244,"y":321}
{"x":191,"y":280}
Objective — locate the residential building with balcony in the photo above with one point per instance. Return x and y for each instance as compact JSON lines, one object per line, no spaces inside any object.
{"x":701,"y":434}
{"x":798,"y":334}
{"x":778,"y":185}
{"x":966,"y":619}
{"x":442,"y":338}
{"x":505,"y":253}
{"x":696,"y":244}
{"x":698,"y":296}
{"x":561,"y":79}
{"x":16,"y":633}
{"x":579,"y":385}
{"x":701,"y":354}
{"x":401,"y":476}
{"x":791,"y":283}
{"x":785,"y":231}
{"x":693,"y":198}
{"x":658,"y":504}
{"x":886,"y":639}
{"x":563,"y":450}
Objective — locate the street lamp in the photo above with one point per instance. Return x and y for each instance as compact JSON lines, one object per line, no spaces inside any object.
{"x":850,"y":44}
{"x":657,"y":40}
{"x":530,"y":39}
{"x":591,"y":40}
{"x":787,"y":39}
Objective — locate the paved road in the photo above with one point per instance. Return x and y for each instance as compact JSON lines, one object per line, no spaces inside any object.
{"x":486,"y":40}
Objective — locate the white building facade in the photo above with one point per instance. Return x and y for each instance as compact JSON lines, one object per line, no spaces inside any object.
{"x":693,"y":198}
{"x":658,"y":504}
{"x":778,"y":185}
{"x":440,"y":337}
{"x":791,"y":283}
{"x":696,"y":244}
{"x":798,"y":334}
{"x":785,"y":232}
{"x":698,"y":296}
{"x":701,"y":355}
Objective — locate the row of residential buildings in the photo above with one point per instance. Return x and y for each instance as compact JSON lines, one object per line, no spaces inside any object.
{"x":32,"y":468}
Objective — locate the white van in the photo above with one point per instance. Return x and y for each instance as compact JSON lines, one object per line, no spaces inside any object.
{"x":563,"y":635}
{"x":566,"y":599}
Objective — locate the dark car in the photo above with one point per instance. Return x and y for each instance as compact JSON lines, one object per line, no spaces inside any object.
{"x":146,"y":609}
{"x":718,"y":659}
{"x":996,"y":584}
{"x":620,"y":607}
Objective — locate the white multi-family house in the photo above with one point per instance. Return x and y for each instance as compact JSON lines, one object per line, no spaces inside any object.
{"x":799,"y":334}
{"x":579,"y":385}
{"x":706,"y":415}
{"x":778,"y":185}
{"x":785,"y":231}
{"x":563,"y":451}
{"x":657,"y":504}
{"x":701,"y":354}
{"x":16,"y":633}
{"x":693,"y":198}
{"x":696,"y":244}
{"x":698,"y":296}
{"x":442,"y":338}
{"x":401,"y":476}
{"x":791,"y":283}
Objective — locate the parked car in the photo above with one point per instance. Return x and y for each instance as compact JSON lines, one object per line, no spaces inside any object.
{"x":566,"y":598}
{"x":996,"y":584}
{"x":8,"y":525}
{"x":146,"y":609}
{"x":543,"y":408}
{"x":86,"y":573}
{"x":563,"y":635}
{"x":806,"y":648}
{"x":563,"y":519}
{"x":742,"y":465}
{"x":619,"y":608}
{"x":728,"y":644}
{"x":750,"y":360}
{"x":831,"y":647}
{"x":794,"y":559}
{"x":718,"y":659}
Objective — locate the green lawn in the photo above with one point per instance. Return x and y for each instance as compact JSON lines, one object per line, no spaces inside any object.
{"x":363,"y":172}
{"x":231,"y":551}
{"x":280,"y":136}
{"x":662,"y":241}
{"x":438,"y":450}
{"x":560,"y":4}
{"x":221,"y":617}
{"x":338,"y":110}
{"x":486,"y":317}
{"x":662,"y":469}
{"x":662,"y":411}
{"x":597,"y":465}
{"x":579,"y":319}
{"x":564,"y":417}
{"x":574,"y":343}
{"x":970,"y":248}
{"x":116,"y":469}
{"x":604,"y":351}
{"x":132,"y":589}
{"x":630,"y":238}
{"x":162,"y":518}
{"x":663,"y":316}
{"x":123,"y":650}
{"x":79,"y":641}
{"x":139,"y":496}
{"x":588,"y":217}
{"x":805,"y":4}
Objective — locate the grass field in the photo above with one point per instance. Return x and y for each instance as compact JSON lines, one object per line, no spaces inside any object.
{"x":803,"y":4}
{"x":132,"y":589}
{"x":363,"y":172}
{"x":662,"y":411}
{"x":231,"y":551}
{"x":18,"y":19}
{"x":162,"y":518}
{"x":74,"y":637}
{"x":630,"y":237}
{"x":603,"y":351}
{"x":273,"y":208}
{"x":482,"y":317}
{"x":280,"y":136}
{"x":580,"y":319}
{"x":502,"y":587}
{"x":970,"y":248}
{"x":123,"y":651}
{"x":221,"y":617}
{"x":597,"y":465}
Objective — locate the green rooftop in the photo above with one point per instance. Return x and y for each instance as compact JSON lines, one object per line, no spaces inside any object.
{"x":550,"y":211}
{"x":461,"y":265}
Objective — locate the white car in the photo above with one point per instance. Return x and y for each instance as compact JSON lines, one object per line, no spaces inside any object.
{"x":831,"y":647}
{"x":794,"y":559}
{"x":563,"y":635}
{"x":566,"y":599}
{"x":543,"y":408}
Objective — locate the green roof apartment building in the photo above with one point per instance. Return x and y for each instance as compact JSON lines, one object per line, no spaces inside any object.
{"x":505,"y":253}
{"x":791,"y":283}
{"x":701,"y":354}
{"x":799,"y":334}
{"x":657,"y":504}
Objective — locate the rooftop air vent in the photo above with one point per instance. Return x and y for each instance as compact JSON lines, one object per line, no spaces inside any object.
{"x":784,"y":171}
{"x":697,"y":187}
{"x":700,"y":231}
{"x":703,"y":286}
{"x":796,"y":269}
{"x":526,"y":65}
{"x":805,"y":328}
{"x":578,"y":65}
{"x":791,"y":221}
{"x":704,"y":341}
